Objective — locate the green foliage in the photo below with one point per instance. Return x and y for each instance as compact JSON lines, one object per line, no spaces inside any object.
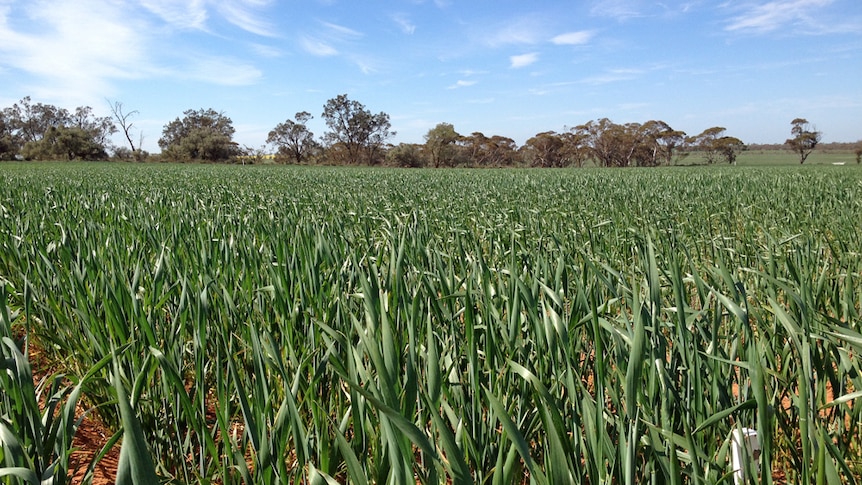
{"x":295,"y":142}
{"x":202,"y":135}
{"x":804,"y":140}
{"x":45,"y":132}
{"x":64,"y":143}
{"x":714,"y":146}
{"x":356,"y":133}
{"x":630,"y":145}
{"x":440,"y":143}
{"x":298,"y":325}
{"x":405,"y":155}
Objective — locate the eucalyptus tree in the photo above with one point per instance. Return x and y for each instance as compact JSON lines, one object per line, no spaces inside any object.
{"x":663,"y":141}
{"x":8,"y":145}
{"x":123,"y":119}
{"x":716,"y":146}
{"x":293,"y":139}
{"x":354,"y":133}
{"x":38,"y":131}
{"x":201,"y":135}
{"x":405,"y":155}
{"x":546,"y":149}
{"x":611,"y":144}
{"x":805,"y":138}
{"x":441,"y":145}
{"x":493,"y":151}
{"x":575,"y":147}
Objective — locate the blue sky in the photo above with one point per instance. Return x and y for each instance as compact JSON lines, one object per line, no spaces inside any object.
{"x":501,"y":67}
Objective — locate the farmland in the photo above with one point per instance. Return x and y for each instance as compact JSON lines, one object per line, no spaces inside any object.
{"x":269,"y":324}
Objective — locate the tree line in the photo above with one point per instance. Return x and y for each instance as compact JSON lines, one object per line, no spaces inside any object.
{"x":355,"y":135}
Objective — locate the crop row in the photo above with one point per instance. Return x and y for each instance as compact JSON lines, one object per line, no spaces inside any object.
{"x":293,"y":325}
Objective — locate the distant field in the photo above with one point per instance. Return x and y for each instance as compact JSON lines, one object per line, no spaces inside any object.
{"x":756,"y":158}
{"x":272,"y":324}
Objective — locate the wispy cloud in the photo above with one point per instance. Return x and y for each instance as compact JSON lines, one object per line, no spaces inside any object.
{"x":324,"y":42}
{"x":316,"y":47}
{"x":462,"y":84}
{"x":186,"y":15}
{"x":266,"y":50}
{"x":771,"y":16}
{"x":523,"y":60}
{"x":221,"y":70}
{"x":524,"y":30}
{"x":68,"y":54}
{"x":573,"y":38}
{"x":623,"y":10}
{"x":471,"y":72}
{"x":243,"y":14}
{"x":341,"y":31}
{"x":404,"y":23}
{"x":619,"y":9}
{"x":613,"y":75}
{"x":82,"y":49}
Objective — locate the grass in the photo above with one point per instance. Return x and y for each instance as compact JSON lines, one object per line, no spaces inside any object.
{"x":294,"y":325}
{"x":773,"y":158}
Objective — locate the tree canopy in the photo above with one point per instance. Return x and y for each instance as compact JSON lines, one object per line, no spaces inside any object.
{"x":355,"y":134}
{"x":36,"y":131}
{"x":292,"y":139}
{"x":201,"y":135}
{"x":805,"y":138}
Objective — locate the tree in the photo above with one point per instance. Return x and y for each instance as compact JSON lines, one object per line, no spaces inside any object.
{"x":858,"y":151}
{"x":8,"y":145}
{"x":496,"y":151}
{"x":355,"y":133}
{"x":408,"y":155}
{"x":202,"y":135}
{"x":31,"y":121}
{"x":614,"y":145}
{"x":293,"y":138}
{"x":440,"y":143}
{"x":124,"y":120}
{"x":707,"y":143}
{"x":804,"y":139}
{"x":546,"y":149}
{"x":728,"y":148}
{"x":65,"y":143}
{"x":39,"y":131}
{"x":575,"y":149}
{"x":663,"y":141}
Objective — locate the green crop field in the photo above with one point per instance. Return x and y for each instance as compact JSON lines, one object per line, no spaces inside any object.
{"x":758,"y":158}
{"x":329,"y":325}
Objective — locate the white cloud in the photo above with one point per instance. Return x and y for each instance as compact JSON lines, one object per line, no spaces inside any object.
{"x":317,"y":47}
{"x":613,"y":75}
{"x":78,"y":49}
{"x":404,"y":23}
{"x":186,"y":15}
{"x":222,"y":70}
{"x":241,"y":13}
{"x":525,"y":30}
{"x":337,"y":40}
{"x":323,"y":43}
{"x":523,"y":60}
{"x":266,"y":50}
{"x":573,"y":38}
{"x":619,"y":9}
{"x":462,"y":84}
{"x":774,"y":15}
{"x":341,"y":31}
